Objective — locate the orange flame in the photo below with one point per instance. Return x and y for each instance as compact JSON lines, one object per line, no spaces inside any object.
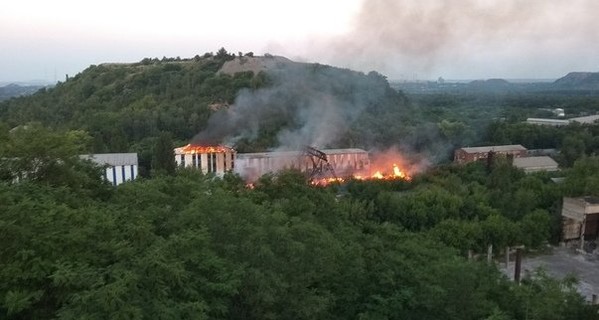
{"x":398,"y":173}
{"x":326,"y":181}
{"x":395,"y":174}
{"x":378,"y":175}
{"x":194,"y":148}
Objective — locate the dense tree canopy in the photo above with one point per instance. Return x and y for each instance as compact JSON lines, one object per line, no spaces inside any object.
{"x":190,"y":246}
{"x":177,"y":244}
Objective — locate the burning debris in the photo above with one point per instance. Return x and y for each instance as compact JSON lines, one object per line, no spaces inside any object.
{"x":394,"y":173}
{"x":378,"y":171}
{"x":390,"y":164}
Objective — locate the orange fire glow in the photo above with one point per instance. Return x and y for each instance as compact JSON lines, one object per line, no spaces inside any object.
{"x":393,"y":172}
{"x":377,"y":175}
{"x":194,"y":148}
{"x":326,"y":181}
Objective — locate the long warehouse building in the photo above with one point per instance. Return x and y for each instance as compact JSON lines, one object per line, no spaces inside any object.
{"x":221,"y":159}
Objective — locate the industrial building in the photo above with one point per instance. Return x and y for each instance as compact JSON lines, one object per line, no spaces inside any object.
{"x":342,"y":161}
{"x":118,"y":167}
{"x":563,"y":122}
{"x":471,"y":154}
{"x":585,"y":120}
{"x":548,"y":122}
{"x":221,"y":159}
{"x":580,"y":219}
{"x":208,"y":159}
{"x":535,"y":164}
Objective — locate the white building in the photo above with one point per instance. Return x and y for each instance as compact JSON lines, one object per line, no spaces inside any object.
{"x":563,"y":122}
{"x":534,"y":164}
{"x":548,"y":122}
{"x":208,"y":159}
{"x":585,"y":119}
{"x":344,"y":161}
{"x":118,"y":167}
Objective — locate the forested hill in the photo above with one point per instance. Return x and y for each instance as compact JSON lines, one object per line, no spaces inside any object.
{"x":120,"y":105}
{"x":15,"y":90}
{"x":578,"y":81}
{"x":124,"y":107}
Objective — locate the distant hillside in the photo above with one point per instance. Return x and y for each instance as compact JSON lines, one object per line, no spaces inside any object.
{"x":124,"y":107}
{"x":490,"y":85}
{"x":572,"y":83}
{"x":578,"y":81}
{"x":15,"y":90}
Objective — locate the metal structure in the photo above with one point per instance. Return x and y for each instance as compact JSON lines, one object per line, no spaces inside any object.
{"x":321,"y":168}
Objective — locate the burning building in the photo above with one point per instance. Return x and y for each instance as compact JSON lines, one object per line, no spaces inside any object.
{"x":208,"y":159}
{"x":322,"y":166}
{"x":342,"y":161}
{"x":221,"y":159}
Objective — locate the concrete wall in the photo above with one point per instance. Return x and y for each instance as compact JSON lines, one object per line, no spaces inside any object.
{"x":573,"y":208}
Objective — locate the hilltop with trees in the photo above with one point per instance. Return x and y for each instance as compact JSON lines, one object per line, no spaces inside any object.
{"x":125,"y":107}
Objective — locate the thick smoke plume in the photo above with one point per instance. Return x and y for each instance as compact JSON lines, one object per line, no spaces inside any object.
{"x":307,"y":105}
{"x":406,"y":37}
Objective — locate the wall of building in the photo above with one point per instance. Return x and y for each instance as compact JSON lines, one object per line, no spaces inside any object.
{"x":580,"y":215}
{"x":251,"y":166}
{"x":570,"y":229}
{"x":119,"y":174}
{"x":216,"y":162}
{"x":344,"y":161}
{"x":349,"y":162}
{"x":118,"y":167}
{"x":462,"y":157}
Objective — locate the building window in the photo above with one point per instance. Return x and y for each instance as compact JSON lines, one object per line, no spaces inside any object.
{"x":193,"y":160}
{"x":132,"y":173}
{"x":114,"y":176}
{"x":182,"y":160}
{"x":123,"y":173}
{"x":214,"y":162}
{"x":209,"y":163}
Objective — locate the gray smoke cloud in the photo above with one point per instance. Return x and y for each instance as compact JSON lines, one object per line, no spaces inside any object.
{"x":470,"y":37}
{"x":316,"y":103}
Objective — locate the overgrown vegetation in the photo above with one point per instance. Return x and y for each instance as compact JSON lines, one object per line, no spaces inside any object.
{"x":181,"y":245}
{"x":192,"y":246}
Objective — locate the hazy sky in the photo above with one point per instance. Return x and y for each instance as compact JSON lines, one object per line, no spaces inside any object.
{"x":403,"y":39}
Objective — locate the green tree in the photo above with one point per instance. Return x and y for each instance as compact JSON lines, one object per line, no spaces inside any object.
{"x":163,"y":159}
{"x":37,"y":154}
{"x":572,"y":148}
